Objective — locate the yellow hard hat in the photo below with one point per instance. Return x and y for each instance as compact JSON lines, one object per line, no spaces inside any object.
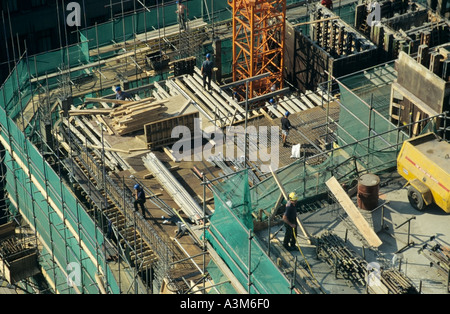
{"x":293,"y":196}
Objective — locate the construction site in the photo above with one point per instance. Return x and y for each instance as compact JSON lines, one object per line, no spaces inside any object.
{"x":366,"y":86}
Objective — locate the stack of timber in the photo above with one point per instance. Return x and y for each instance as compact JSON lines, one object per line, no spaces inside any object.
{"x":134,"y":115}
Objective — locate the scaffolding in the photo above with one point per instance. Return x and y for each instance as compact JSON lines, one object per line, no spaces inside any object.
{"x":83,"y":217}
{"x":355,"y":146}
{"x":258,"y":44}
{"x":59,"y":186}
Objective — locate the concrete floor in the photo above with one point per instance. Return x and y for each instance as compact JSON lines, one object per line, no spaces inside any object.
{"x":424,"y":225}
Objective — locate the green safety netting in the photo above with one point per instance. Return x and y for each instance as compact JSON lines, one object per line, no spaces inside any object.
{"x":230,"y":234}
{"x":366,"y":141}
{"x":16,"y":91}
{"x":364,"y":118}
{"x":219,"y":279}
{"x":363,"y":114}
{"x":68,"y":233}
{"x":124,"y":27}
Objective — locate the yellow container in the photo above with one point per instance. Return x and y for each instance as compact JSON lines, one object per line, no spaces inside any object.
{"x":424,"y":161}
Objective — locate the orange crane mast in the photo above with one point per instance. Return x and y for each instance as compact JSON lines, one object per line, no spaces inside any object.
{"x":258,"y":43}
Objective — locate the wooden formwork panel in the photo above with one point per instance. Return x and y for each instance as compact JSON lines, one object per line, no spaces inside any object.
{"x":19,"y":265}
{"x":159,"y":133}
{"x":405,"y":108}
{"x":7,"y":230}
{"x":311,"y":62}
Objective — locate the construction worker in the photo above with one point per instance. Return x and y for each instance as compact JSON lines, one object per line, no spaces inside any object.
{"x":139,"y":195}
{"x":181,"y":14}
{"x":121,"y":95}
{"x":207,"y":69}
{"x":290,"y":223}
{"x":285,"y":128}
{"x":273,"y":103}
{"x":328,"y":4}
{"x":235,"y":97}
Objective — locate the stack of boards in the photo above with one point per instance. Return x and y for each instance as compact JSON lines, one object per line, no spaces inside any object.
{"x":130,"y":116}
{"x":133,"y":116}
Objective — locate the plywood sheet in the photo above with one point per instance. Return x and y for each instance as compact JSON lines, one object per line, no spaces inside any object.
{"x":363,"y":226}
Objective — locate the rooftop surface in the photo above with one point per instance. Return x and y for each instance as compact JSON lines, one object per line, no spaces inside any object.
{"x":427,"y":229}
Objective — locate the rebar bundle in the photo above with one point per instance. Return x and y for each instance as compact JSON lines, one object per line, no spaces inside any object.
{"x":439,"y":257}
{"x":350,"y":266}
{"x":346,"y":263}
{"x":397,"y":283}
{"x":9,"y":247}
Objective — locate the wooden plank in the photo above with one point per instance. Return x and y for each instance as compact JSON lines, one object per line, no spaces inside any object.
{"x":161,"y":90}
{"x":287,"y":106}
{"x":134,"y":108}
{"x":87,"y":129}
{"x":283,"y":191}
{"x":325,"y":96}
{"x":223,"y":94}
{"x":109,"y":129}
{"x":234,"y":117}
{"x":206,"y":99}
{"x":363,"y":226}
{"x":204,"y":108}
{"x":306,"y":101}
{"x":277,"y":204}
{"x":276,"y":108}
{"x":299,"y":103}
{"x":294,"y":105}
{"x":168,"y":152}
{"x":111,"y":101}
{"x":268,"y":117}
{"x":315,"y":98}
{"x":274,"y":111}
{"x":224,"y":103}
{"x":89,"y":112}
{"x":416,"y":125}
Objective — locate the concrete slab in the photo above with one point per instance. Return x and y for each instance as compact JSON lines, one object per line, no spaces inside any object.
{"x":394,"y":253}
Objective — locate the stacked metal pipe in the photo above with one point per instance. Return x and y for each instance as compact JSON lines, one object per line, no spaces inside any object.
{"x":439,"y":257}
{"x":350,"y":266}
{"x":346,"y":263}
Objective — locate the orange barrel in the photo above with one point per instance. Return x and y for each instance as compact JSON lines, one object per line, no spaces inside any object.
{"x":368,"y":189}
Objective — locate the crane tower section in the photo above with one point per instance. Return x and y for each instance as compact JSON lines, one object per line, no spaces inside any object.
{"x":258,"y":43}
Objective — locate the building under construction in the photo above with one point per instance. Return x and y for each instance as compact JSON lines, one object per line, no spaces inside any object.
{"x":211,"y":161}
